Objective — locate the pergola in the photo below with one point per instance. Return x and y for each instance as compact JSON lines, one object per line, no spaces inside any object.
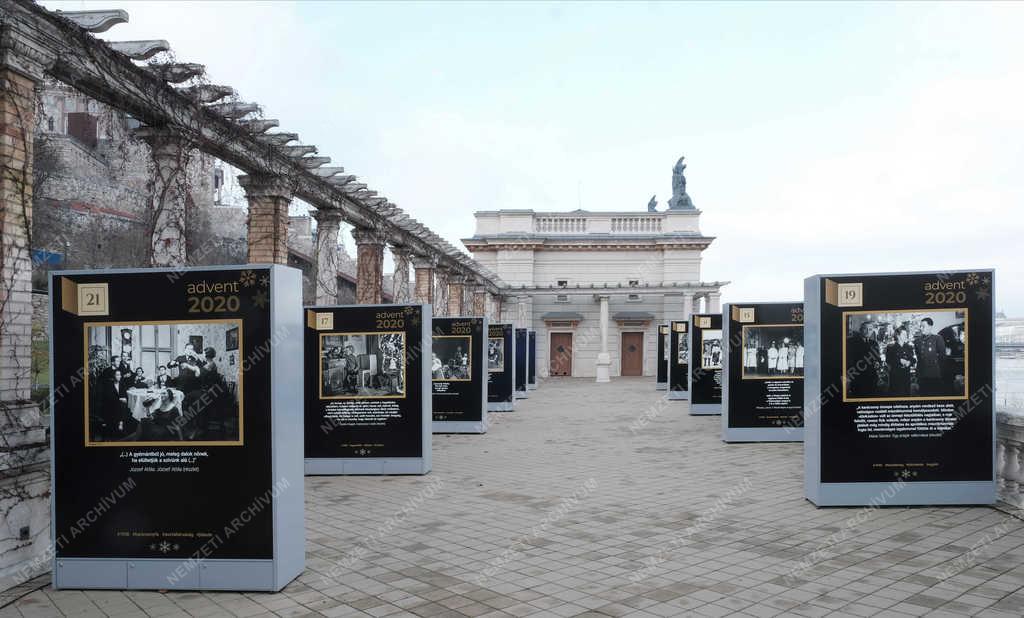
{"x":180,"y":112}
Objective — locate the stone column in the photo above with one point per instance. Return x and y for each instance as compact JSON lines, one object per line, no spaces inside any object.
{"x":424,"y":290}
{"x":714,"y":302}
{"x":687,"y":305}
{"x":400,"y":281}
{"x":456,"y":287}
{"x":167,"y":194}
{"x":524,"y":310}
{"x":369,"y":266}
{"x":479,"y":301}
{"x":441,"y":274}
{"x":493,"y":307}
{"x":328,"y":256}
{"x":508,"y":310}
{"x":269,"y":198}
{"x":604,"y":359}
{"x":24,"y":458}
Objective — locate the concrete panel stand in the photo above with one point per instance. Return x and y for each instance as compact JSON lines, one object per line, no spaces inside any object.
{"x":899,"y":394}
{"x":763,"y":372}
{"x":170,"y":387}
{"x":368,"y":389}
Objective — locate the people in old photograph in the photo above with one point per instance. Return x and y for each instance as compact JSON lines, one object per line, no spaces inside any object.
{"x":496,"y":354}
{"x":450,"y":358}
{"x":159,"y":388}
{"x":906,"y":354}
{"x":711,"y":349}
{"x":683,"y":348}
{"x":358,"y":365}
{"x":773,"y":351}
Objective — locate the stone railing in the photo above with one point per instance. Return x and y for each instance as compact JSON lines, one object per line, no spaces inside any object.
{"x":636,"y":225}
{"x":1010,"y":455}
{"x":560,"y":225}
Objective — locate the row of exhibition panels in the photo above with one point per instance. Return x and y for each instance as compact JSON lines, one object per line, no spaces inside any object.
{"x":235,"y":393}
{"x":887,"y":378}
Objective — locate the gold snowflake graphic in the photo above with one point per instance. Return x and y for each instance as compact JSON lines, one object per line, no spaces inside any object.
{"x":265,"y":281}
{"x":260,"y":299}
{"x":972,"y":279}
{"x":248,"y":278}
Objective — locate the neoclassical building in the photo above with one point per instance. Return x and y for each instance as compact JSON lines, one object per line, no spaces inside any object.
{"x":596,"y":285}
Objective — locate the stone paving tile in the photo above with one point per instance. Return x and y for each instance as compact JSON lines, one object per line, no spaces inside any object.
{"x":569,"y":508}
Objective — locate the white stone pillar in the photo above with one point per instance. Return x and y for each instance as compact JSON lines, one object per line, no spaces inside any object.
{"x":715,"y":302}
{"x":441,"y":275}
{"x":169,"y":190}
{"x":523,"y":309}
{"x":687,"y":305}
{"x":604,"y":359}
{"x":400,"y":281}
{"x":327,"y":255}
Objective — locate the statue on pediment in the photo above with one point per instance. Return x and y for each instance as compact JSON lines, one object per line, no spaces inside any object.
{"x":680,"y":200}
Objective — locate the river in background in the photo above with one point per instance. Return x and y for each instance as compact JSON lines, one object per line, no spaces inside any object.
{"x":1010,"y":383}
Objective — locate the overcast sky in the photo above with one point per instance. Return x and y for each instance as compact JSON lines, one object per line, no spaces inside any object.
{"x":838,"y":137}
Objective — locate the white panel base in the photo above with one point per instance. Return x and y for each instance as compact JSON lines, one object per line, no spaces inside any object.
{"x":763,"y":434}
{"x":459,"y":427}
{"x":679,"y":395}
{"x":167,"y":574}
{"x":661,"y":386}
{"x":396,"y":465}
{"x":911,"y":494}
{"x":501,"y":406}
{"x":704,"y":409}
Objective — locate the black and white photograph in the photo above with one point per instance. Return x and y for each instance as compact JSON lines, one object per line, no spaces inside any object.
{"x":711,"y":349}
{"x":773,"y":352}
{"x":451,"y":358}
{"x":362,"y":365}
{"x":911,"y":354}
{"x":495,"y":354}
{"x":148,"y":383}
{"x":683,"y":349}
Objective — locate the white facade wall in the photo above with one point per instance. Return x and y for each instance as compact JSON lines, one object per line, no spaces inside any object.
{"x":584,"y":249}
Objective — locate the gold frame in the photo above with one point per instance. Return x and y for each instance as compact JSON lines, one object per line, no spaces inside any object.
{"x":682,"y":338}
{"x":497,"y":370}
{"x":702,"y":331}
{"x":469,"y":347}
{"x":320,"y":365}
{"x":241,"y":391}
{"x":967,"y":373}
{"x":743,"y":347}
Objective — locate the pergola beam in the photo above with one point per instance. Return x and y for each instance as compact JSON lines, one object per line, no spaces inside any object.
{"x":93,"y":67}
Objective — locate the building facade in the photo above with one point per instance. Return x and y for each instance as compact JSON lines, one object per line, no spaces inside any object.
{"x":596,"y":285}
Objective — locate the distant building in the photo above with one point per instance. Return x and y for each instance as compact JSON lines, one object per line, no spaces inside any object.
{"x":562,"y":266}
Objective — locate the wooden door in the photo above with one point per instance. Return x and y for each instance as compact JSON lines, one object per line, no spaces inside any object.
{"x":632,"y":354}
{"x":561,"y":354}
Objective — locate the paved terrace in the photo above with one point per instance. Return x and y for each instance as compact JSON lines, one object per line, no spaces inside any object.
{"x":560,"y":510}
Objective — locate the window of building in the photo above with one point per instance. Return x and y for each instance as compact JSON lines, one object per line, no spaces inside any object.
{"x":563,"y":283}
{"x":156,"y":348}
{"x":634,"y":298}
{"x":633,"y":283}
{"x":562,"y":298}
{"x":82,"y":127}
